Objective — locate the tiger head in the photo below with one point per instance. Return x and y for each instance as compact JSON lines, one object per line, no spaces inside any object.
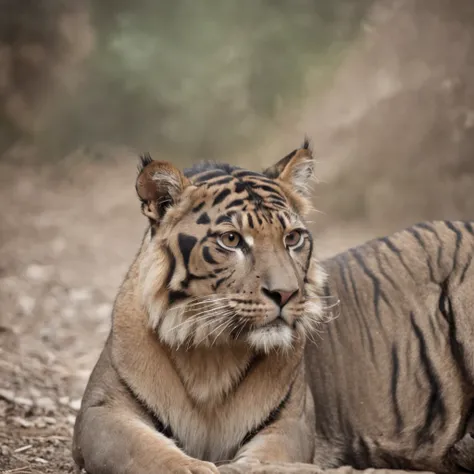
{"x":228,"y":256}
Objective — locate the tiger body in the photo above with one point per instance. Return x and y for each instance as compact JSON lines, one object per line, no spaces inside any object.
{"x":392,"y":376}
{"x":209,"y":361}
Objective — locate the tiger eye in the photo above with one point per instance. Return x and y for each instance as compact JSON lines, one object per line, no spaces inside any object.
{"x":230,"y":239}
{"x":293,"y":238}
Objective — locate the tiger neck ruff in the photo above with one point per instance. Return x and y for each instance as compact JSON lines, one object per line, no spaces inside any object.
{"x":204,"y":362}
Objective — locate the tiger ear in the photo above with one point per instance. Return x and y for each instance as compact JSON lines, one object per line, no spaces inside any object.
{"x":159,"y":186}
{"x":296,"y":169}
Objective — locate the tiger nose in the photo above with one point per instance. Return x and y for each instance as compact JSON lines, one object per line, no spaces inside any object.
{"x":280,"y":297}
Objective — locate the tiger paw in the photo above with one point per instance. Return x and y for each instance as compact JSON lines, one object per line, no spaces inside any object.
{"x":193,"y":466}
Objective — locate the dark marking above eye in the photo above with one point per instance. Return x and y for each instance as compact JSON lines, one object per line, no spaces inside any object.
{"x":198,"y":207}
{"x":203,"y":219}
{"x":224,"y":218}
{"x":250,"y":221}
{"x":221,"y":196}
{"x":206,"y":253}
{"x":235,"y":202}
{"x":186,"y":244}
{"x":282,"y":221}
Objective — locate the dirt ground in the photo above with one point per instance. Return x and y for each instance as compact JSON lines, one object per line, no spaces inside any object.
{"x":67,"y":239}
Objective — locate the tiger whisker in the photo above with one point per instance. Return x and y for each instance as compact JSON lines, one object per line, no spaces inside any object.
{"x":200,"y":317}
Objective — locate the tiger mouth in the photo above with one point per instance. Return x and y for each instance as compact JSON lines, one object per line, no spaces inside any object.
{"x":278,"y":322}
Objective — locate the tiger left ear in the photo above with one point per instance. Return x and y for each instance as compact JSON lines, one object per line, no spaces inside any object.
{"x":296,"y":170}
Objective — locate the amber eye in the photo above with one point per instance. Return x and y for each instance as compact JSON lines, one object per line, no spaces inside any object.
{"x":293,"y":238}
{"x":230,"y":240}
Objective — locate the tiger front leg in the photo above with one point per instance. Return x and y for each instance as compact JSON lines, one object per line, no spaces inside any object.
{"x":115,"y":441}
{"x":288,"y":439}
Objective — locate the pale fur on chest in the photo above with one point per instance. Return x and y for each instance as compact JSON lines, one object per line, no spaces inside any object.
{"x":210,"y":400}
{"x":208,"y":376}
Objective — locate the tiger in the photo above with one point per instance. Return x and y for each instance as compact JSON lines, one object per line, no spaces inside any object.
{"x":224,"y":354}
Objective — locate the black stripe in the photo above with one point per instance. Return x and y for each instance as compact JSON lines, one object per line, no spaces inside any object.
{"x":393,"y":391}
{"x":282,"y":221}
{"x":165,"y":430}
{"x":270,"y":189}
{"x":224,"y":218}
{"x":378,"y":292}
{"x":219,"y":282}
{"x":235,"y":202}
{"x":207,"y":255}
{"x":429,"y":228}
{"x":398,"y":253}
{"x":468,"y":227}
{"x":360,"y":312}
{"x":458,"y":233}
{"x":250,"y":220}
{"x":445,"y":307}
{"x":186,"y":244}
{"x":200,"y":178}
{"x":245,"y":173}
{"x":466,"y":268}
{"x":198,"y":207}
{"x":175,"y":296}
{"x":221,"y":196}
{"x":240,"y":187}
{"x":273,"y":416}
{"x":435,"y":406}
{"x":203,"y":219}
{"x":172,"y":266}
{"x":378,"y":256}
{"x":422,"y":244}
{"x":218,"y":182}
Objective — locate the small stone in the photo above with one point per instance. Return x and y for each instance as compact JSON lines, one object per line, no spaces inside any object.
{"x":40,"y":423}
{"x":75,"y":404}
{"x":28,"y":402}
{"x":64,"y":401}
{"x":80,"y":294}
{"x":4,"y":450}
{"x":7,"y":395}
{"x":26,"y":303}
{"x":38,"y":272}
{"x":34,"y":392}
{"x":46,"y":403}
{"x":71,"y":419}
{"x":104,"y":310}
{"x":49,"y":420}
{"x":22,"y":422}
{"x":22,"y":449}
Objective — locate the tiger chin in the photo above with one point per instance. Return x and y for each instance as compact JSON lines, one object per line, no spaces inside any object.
{"x":204,"y":363}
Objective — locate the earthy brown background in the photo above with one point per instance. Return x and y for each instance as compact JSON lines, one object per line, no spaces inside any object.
{"x":385,"y":90}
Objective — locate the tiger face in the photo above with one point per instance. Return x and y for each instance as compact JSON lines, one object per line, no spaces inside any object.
{"x":228,"y":257}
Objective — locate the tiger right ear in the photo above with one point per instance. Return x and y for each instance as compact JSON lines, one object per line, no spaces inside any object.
{"x":159,"y":186}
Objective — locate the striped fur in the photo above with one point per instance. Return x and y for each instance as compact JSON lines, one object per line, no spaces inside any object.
{"x":393,"y":376}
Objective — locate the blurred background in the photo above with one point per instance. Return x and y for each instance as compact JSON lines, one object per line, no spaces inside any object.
{"x":384,"y":88}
